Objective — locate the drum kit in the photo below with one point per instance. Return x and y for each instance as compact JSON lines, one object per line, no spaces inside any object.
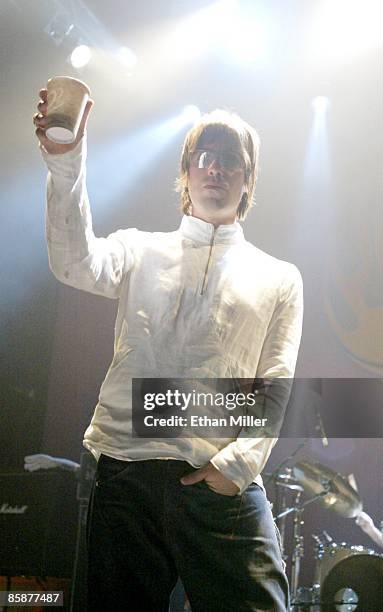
{"x":347,"y":578}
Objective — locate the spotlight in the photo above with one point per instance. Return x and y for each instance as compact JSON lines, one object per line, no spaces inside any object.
{"x":59,"y":28}
{"x":247,"y":42}
{"x":191,"y":113}
{"x":127,"y":58}
{"x":80,"y":56}
{"x":344,"y":29}
{"x":320,"y":104}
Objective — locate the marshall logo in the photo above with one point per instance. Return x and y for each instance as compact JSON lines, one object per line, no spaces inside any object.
{"x":7,"y":509}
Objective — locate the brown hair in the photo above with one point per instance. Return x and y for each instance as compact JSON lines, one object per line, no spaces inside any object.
{"x":222,"y":122}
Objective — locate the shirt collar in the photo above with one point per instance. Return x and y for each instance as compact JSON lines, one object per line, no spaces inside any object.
{"x":201,"y":231}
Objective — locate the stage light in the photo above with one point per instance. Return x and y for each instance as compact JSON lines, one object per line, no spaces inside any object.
{"x":342,"y":29}
{"x":248,"y":42}
{"x":129,"y":157}
{"x":199,"y":32}
{"x":317,"y":162}
{"x":191,"y":113}
{"x":224,"y":28}
{"x":127,"y":58}
{"x":80,"y":56}
{"x":241,"y":32}
{"x":320,"y":104}
{"x":59,"y":28}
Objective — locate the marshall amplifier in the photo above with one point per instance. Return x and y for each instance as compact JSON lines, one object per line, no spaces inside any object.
{"x":38,"y":523}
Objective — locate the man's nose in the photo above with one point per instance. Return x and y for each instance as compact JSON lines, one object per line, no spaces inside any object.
{"x":215,"y":168}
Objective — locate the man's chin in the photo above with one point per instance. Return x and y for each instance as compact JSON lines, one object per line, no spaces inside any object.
{"x":214,"y":203}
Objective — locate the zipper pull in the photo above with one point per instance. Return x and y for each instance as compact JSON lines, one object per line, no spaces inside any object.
{"x":204,"y":282}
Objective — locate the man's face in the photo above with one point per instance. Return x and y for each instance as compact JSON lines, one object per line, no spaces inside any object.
{"x":216,"y":178}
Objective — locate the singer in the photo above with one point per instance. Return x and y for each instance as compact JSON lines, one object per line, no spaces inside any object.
{"x":199,"y":301}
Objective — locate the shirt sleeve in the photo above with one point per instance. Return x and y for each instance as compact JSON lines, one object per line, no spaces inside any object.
{"x":243,"y":460}
{"x":76,"y":256}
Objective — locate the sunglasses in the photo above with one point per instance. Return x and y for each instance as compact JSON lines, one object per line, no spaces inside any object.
{"x":227,"y":160}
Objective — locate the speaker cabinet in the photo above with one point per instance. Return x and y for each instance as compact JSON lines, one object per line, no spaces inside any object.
{"x":38,"y":523}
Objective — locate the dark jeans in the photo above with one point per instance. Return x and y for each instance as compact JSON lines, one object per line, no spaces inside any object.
{"x":145,"y":528}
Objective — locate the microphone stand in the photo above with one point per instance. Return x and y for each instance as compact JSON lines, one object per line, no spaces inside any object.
{"x":275,"y":472}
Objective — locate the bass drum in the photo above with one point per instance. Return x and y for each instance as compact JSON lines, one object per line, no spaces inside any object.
{"x":354,"y":584}
{"x":331,"y":554}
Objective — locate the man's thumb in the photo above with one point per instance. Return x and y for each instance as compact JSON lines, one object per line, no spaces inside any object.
{"x":196,"y":476}
{"x":85,"y":116}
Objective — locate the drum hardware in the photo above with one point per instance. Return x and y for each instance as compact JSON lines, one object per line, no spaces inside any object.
{"x":333,"y":590}
{"x":298,"y":551}
{"x":274,"y":474}
{"x":306,"y":600}
{"x":327,"y":536}
{"x":298,"y":544}
{"x":285,"y":483}
{"x":350,"y":580}
{"x":340,"y":496}
{"x":343,"y":573}
{"x":347,"y":579}
{"x":320,"y":544}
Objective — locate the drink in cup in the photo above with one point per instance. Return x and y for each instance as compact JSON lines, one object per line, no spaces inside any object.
{"x":67,"y":98}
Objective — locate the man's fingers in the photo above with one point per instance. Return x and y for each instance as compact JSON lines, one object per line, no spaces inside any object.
{"x":40,"y":133}
{"x":196,"y":476}
{"x":39,"y":120}
{"x":42,"y":106}
{"x":85,"y":116}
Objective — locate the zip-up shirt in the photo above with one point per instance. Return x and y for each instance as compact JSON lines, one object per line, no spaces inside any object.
{"x":198,"y":302}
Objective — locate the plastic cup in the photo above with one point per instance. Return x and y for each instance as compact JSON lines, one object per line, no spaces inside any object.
{"x":67,"y":98}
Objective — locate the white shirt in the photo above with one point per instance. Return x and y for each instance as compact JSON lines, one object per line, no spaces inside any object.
{"x":197,"y":302}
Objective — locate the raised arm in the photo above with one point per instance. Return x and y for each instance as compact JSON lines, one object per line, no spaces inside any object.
{"x":76,"y":256}
{"x":365,"y":522}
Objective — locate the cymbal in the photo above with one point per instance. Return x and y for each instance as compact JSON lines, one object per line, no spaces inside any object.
{"x":316,"y":478}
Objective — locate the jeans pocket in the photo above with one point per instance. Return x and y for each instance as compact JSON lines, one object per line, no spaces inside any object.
{"x":110,"y":469}
{"x":219,"y":495}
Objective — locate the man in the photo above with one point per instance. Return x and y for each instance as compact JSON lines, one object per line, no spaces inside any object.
{"x":199,"y":302}
{"x":366,"y":523}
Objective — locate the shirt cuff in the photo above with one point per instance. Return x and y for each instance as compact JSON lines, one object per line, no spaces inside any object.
{"x":69,"y":164}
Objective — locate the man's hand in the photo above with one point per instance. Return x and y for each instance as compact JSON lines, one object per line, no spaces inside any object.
{"x":215,"y":480}
{"x":39,"y":119}
{"x":365,"y":522}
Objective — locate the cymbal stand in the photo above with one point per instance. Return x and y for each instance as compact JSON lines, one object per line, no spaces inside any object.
{"x":298,"y":544}
{"x":282,"y":521}
{"x":298,"y":551}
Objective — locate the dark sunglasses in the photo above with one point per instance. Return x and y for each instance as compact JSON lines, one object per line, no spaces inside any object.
{"x":227,"y":160}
